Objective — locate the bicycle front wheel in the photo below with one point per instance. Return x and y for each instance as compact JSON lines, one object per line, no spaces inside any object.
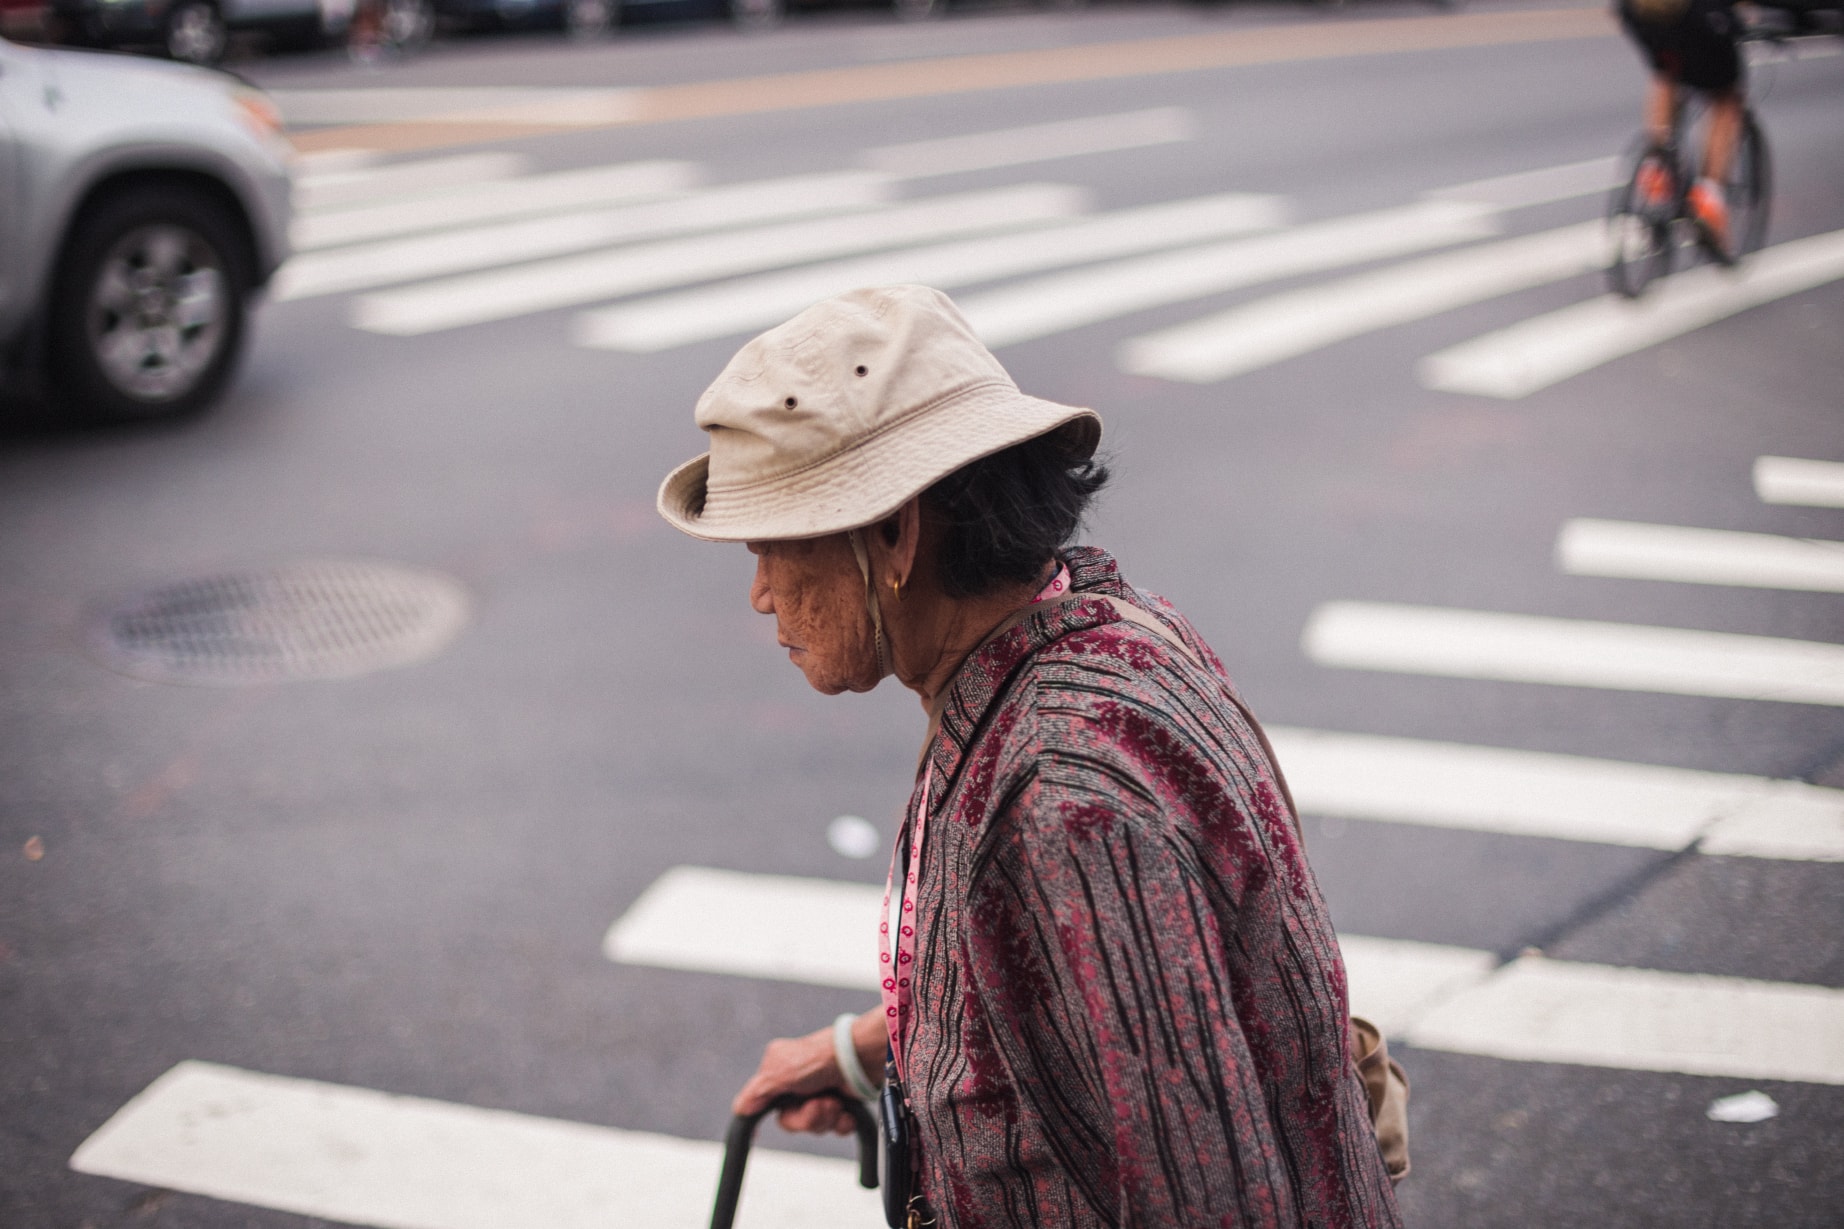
{"x":1639,"y":221}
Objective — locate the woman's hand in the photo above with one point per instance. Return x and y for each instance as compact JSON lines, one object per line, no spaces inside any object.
{"x":798,"y":1065}
{"x":803,"y":1065}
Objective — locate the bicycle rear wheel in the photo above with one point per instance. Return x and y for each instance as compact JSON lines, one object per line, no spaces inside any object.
{"x":1639,"y":223}
{"x":1748,"y":188}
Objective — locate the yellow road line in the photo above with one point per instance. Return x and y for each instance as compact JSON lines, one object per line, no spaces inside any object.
{"x":1004,"y":70}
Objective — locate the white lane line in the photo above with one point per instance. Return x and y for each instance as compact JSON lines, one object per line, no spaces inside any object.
{"x":1542,"y":1010}
{"x":738,"y":306}
{"x":332,"y":189}
{"x":1538,"y":187}
{"x":774,"y":926}
{"x":496,"y":201}
{"x":1436,"y":996}
{"x":460,"y":104}
{"x":570,"y":281}
{"x":1543,"y":350}
{"x":365,"y":265}
{"x":1788,"y":819}
{"x":1562,"y":797}
{"x":1287,"y":325}
{"x":1063,"y":301}
{"x":824,"y":932}
{"x":1573,"y":653}
{"x":1095,"y":134}
{"x":1588,"y":547}
{"x":369,"y":1158}
{"x":1394,"y":982}
{"x":1795,"y":480}
{"x":310,"y":163}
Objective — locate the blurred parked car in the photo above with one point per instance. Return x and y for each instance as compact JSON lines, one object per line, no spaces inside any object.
{"x":580,"y":18}
{"x":145,"y":204}
{"x":196,"y":31}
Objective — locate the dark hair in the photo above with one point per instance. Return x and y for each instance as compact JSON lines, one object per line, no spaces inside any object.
{"x":1005,"y":515}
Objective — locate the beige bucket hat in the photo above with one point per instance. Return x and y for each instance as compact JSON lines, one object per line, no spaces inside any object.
{"x":837,"y":418}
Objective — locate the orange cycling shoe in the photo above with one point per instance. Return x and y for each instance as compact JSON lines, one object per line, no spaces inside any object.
{"x":1711,"y":213}
{"x":1654,"y":184}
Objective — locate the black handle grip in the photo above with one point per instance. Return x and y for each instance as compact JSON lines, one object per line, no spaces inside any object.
{"x":742,"y":1133}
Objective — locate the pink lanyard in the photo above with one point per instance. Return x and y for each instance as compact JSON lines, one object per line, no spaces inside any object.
{"x":898,"y":972}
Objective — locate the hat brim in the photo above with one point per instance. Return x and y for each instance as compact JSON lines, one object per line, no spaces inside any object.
{"x":871,"y":480}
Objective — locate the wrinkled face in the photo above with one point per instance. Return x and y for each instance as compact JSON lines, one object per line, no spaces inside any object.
{"x":816,"y":593}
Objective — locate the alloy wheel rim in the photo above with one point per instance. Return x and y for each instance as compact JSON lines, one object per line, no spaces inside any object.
{"x":588,"y":17}
{"x":407,"y":22}
{"x":196,"y":36}
{"x":156,"y":317}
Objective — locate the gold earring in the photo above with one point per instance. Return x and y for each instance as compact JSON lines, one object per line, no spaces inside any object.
{"x":896,"y":588}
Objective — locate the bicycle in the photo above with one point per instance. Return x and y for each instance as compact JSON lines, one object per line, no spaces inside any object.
{"x":1649,"y":216}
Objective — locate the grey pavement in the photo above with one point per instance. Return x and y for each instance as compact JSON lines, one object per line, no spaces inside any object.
{"x":401,"y":881}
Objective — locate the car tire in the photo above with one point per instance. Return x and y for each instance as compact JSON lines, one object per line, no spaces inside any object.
{"x":147,"y":316}
{"x":587,"y":20}
{"x":757,"y":16}
{"x":408,"y":25}
{"x":195,"y":33}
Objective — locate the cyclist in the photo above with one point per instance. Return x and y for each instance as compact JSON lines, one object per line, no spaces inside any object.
{"x":1691,"y":43}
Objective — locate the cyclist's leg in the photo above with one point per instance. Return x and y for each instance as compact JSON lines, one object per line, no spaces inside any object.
{"x":1725,"y":130}
{"x":1661,"y":109}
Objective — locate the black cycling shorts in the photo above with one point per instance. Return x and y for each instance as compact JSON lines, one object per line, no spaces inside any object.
{"x":1694,"y":45}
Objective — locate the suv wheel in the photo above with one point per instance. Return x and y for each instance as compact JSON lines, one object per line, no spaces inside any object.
{"x":147,"y":316}
{"x":408,"y":25}
{"x":755,"y":16}
{"x":195,"y":32}
{"x":588,"y":19}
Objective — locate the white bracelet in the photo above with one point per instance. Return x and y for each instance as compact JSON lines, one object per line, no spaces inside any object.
{"x":856,"y":1081}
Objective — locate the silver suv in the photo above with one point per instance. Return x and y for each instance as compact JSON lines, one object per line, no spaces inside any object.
{"x":142,"y":206}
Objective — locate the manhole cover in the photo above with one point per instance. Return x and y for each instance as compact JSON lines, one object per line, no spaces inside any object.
{"x":298,"y":621}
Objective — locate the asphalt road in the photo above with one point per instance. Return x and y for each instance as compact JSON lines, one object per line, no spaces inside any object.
{"x":401,"y":881}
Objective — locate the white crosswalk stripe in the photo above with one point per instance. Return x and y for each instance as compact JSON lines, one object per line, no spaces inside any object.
{"x":809,"y":930}
{"x":1541,"y":351}
{"x":1562,"y":797}
{"x":1066,"y":301}
{"x":370,"y":1158}
{"x":463,"y":229}
{"x":1287,"y":325}
{"x":567,"y":282}
{"x":345,"y":187}
{"x":1795,"y":480}
{"x":1561,"y":1012}
{"x":1433,"y":996}
{"x":1095,"y":134}
{"x":1573,"y":652}
{"x":362,"y":266}
{"x":495,"y":200}
{"x":1588,"y":547}
{"x":1542,"y":186}
{"x":738,"y":306}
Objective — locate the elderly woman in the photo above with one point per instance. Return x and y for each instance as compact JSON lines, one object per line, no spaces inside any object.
{"x":1111,"y":991}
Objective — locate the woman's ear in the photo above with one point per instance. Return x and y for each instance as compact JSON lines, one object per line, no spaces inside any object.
{"x":903,"y":531}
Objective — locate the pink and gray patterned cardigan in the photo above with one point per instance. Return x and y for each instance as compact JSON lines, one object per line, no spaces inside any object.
{"x":1131,"y":1006}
